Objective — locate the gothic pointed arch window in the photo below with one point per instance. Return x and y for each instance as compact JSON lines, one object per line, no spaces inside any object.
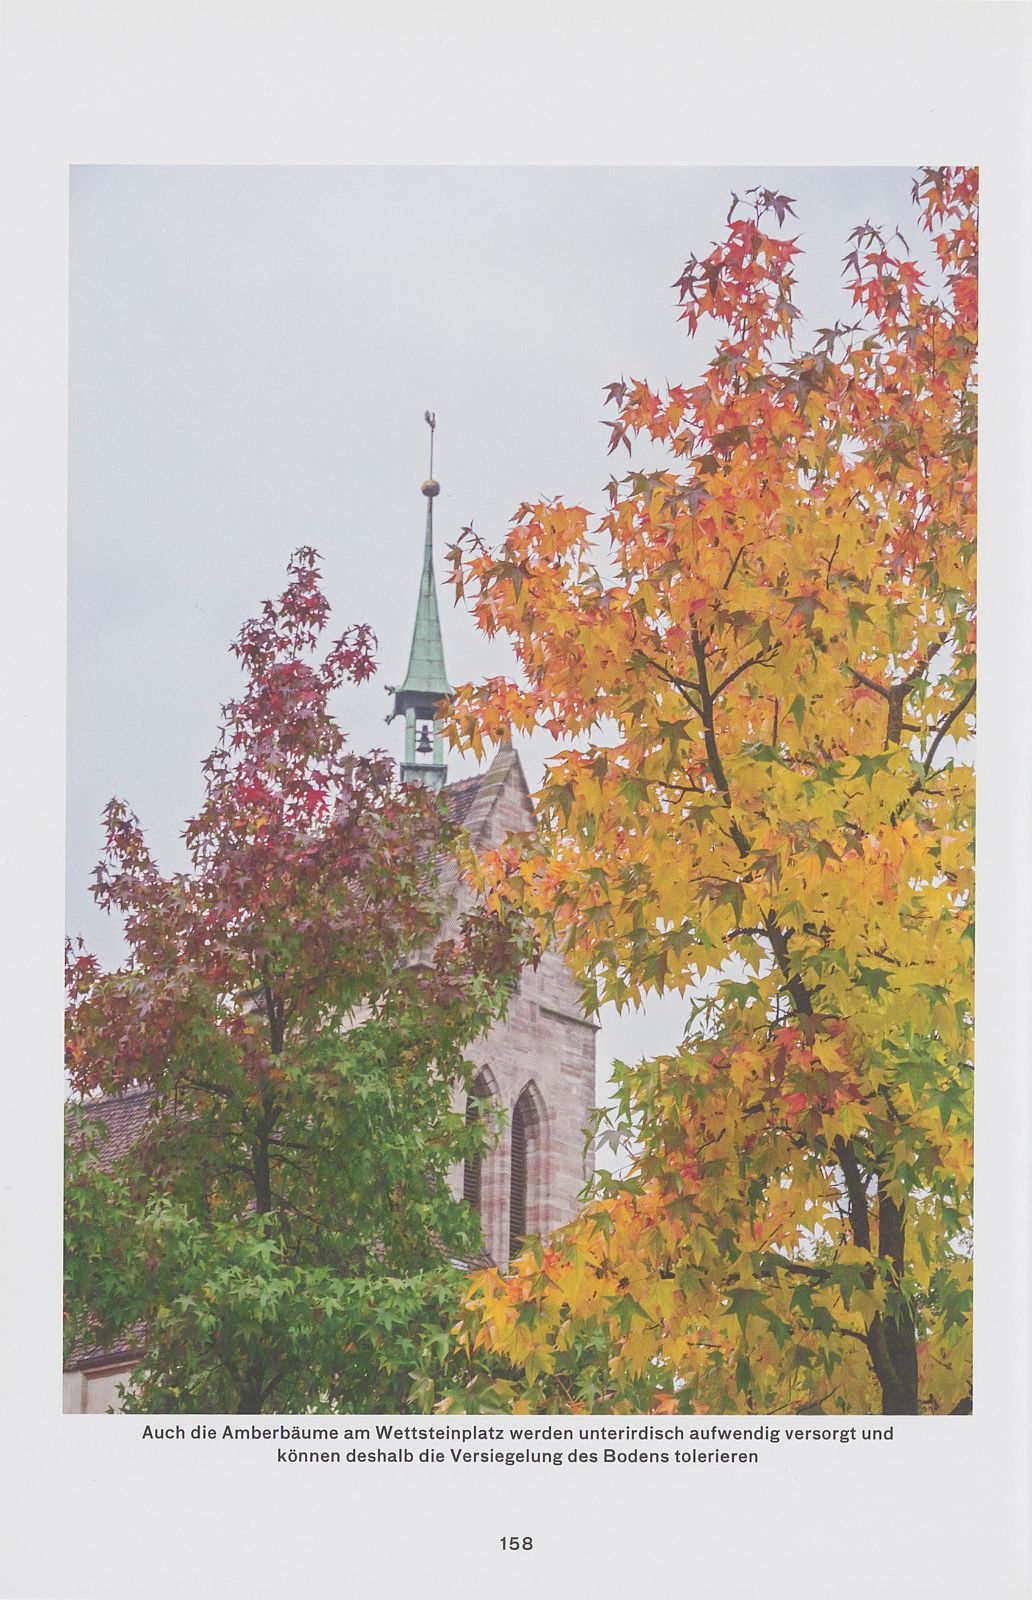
{"x":473,"y":1169}
{"x":527,"y":1185}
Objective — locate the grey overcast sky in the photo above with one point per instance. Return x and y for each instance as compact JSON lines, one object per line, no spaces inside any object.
{"x":251,"y":354}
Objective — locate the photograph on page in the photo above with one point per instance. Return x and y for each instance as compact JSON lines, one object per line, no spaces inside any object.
{"x":521,"y":687}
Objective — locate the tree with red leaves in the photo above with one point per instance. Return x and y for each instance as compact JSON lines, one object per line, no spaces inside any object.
{"x":298,"y":1004}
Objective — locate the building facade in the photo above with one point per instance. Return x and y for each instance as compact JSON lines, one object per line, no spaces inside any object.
{"x":537,"y":1064}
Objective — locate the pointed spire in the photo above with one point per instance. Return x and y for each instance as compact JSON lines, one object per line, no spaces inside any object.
{"x":426,"y":671}
{"x":426,"y":681}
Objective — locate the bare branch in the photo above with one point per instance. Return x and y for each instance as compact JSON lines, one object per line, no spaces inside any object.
{"x":763,"y":658}
{"x":869,"y":683}
{"x":734,"y":564}
{"x":944,"y":727}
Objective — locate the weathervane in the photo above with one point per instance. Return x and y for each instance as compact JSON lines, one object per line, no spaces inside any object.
{"x":431,"y":421}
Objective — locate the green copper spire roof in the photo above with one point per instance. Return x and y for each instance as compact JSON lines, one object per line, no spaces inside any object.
{"x":426,"y":686}
{"x":426,"y":673}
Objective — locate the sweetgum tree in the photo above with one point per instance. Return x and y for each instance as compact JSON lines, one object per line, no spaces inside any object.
{"x":279,"y":1235}
{"x":766,"y":652}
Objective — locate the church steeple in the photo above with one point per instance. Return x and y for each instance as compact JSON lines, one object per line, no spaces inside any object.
{"x":426,"y":684}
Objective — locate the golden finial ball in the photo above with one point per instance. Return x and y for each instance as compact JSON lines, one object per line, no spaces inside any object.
{"x":431,"y":487}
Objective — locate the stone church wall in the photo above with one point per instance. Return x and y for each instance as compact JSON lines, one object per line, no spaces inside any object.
{"x":545,"y":1046}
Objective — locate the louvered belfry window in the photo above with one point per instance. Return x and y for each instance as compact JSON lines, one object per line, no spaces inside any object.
{"x":473,"y":1169}
{"x":518,"y":1181}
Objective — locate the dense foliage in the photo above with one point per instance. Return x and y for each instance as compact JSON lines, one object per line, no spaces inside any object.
{"x":763,"y":658}
{"x":298,"y":1002}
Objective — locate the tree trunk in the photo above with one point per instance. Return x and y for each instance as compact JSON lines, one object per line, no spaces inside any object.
{"x":891,"y":1340}
{"x":249,"y":1401}
{"x":262,"y":1170}
{"x":899,"y":1383}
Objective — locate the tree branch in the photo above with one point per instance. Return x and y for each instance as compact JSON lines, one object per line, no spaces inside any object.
{"x":944,"y":727}
{"x":803,"y":1267}
{"x":734,"y":564}
{"x":869,"y":683}
{"x":682,"y":685}
{"x":762,"y":659}
{"x":856,"y":1189}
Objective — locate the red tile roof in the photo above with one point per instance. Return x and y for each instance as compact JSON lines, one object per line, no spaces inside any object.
{"x":122,"y":1117}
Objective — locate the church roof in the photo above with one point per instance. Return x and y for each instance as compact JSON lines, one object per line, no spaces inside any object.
{"x":459,"y":796}
{"x":471,"y":801}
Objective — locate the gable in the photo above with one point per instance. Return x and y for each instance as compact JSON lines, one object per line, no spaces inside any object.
{"x":494,"y":803}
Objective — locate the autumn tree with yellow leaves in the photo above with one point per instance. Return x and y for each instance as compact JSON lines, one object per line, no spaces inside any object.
{"x":762,"y":660}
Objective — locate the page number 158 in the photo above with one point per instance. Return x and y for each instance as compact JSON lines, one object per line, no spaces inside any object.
{"x":516,"y":1542}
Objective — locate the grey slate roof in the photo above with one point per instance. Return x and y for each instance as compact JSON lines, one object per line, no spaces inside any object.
{"x":459,"y":796}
